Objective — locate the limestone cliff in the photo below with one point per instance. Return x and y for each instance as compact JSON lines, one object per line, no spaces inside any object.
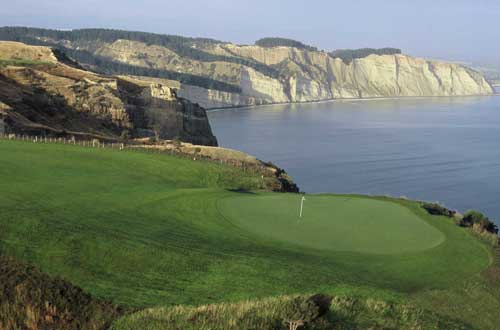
{"x":312,"y":76}
{"x":41,"y":95}
{"x":219,"y":74}
{"x":306,"y":75}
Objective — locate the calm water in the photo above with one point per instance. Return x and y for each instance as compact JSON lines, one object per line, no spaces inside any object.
{"x":439,"y":149}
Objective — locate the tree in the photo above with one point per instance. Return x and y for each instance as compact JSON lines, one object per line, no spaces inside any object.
{"x":283,"y":42}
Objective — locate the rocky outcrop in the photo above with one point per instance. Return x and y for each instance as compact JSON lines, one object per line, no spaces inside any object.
{"x":40,"y":95}
{"x":160,"y":113}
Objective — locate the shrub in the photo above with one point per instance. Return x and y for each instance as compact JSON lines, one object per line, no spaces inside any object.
{"x":478,"y":219}
{"x":304,"y":312}
{"x":438,"y":209}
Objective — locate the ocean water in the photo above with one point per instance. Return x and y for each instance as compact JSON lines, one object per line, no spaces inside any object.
{"x":436,"y":149}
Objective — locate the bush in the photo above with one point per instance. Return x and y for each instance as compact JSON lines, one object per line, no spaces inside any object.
{"x":472,"y":218}
{"x":304,"y":312}
{"x":438,"y":209}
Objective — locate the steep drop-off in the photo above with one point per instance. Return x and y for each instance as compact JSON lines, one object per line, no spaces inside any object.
{"x":39,"y":94}
{"x":312,"y":76}
{"x":219,"y":74}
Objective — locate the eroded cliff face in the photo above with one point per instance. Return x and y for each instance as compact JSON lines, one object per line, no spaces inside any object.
{"x":303,"y":75}
{"x":312,"y":76}
{"x":40,"y":95}
{"x":217,"y":74}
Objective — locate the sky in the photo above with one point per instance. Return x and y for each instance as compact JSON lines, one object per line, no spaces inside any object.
{"x":461,"y":30}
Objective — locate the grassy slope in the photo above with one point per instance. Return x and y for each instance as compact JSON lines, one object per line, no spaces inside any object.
{"x":144,"y":230}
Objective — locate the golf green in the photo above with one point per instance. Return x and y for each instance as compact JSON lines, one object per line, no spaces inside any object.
{"x":337,"y":223}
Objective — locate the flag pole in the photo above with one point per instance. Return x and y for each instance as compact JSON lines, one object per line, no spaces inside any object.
{"x":301,"y":206}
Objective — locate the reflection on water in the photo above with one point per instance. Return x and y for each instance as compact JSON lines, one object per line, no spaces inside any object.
{"x":443,"y":149}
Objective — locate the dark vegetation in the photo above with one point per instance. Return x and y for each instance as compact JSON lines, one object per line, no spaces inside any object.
{"x":475,"y":218}
{"x":438,"y":209}
{"x":30,"y":299}
{"x":286,"y":183}
{"x":348,"y":55}
{"x":64,"y":58}
{"x":304,"y":312}
{"x":283,"y":42}
{"x":470,"y":219}
{"x":185,"y":47}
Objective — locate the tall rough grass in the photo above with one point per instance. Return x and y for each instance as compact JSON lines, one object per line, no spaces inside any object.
{"x":271,"y":313}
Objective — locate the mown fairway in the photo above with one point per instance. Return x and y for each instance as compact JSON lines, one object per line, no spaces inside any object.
{"x":146,"y":229}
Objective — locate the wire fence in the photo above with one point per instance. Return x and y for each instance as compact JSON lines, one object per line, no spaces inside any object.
{"x":172,"y":149}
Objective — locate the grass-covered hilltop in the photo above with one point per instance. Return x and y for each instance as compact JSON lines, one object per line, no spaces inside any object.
{"x":157,"y":241}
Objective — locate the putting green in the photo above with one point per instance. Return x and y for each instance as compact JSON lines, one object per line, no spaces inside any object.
{"x":336,"y":223}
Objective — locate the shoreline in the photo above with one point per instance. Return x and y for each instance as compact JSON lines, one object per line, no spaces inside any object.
{"x":359,"y":99}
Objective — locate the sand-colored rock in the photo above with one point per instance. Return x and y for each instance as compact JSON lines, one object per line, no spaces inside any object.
{"x":305,"y":75}
{"x":259,"y":75}
{"x":49,"y":97}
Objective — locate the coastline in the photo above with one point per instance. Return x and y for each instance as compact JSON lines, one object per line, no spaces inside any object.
{"x":358,"y":99}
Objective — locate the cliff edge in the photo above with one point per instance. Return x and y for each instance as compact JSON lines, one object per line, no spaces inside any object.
{"x":41,"y":95}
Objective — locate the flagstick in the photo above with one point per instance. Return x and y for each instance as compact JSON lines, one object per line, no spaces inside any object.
{"x":301,"y":206}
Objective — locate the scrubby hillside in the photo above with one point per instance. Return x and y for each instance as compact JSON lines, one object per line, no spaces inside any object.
{"x":217,"y":74}
{"x":32,"y":300}
{"x":344,"y":313}
{"x":40,"y":94}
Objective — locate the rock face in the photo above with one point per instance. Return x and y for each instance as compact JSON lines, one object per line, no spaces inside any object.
{"x":311,"y":76}
{"x":308,"y":75}
{"x":40,"y":95}
{"x":218,"y":74}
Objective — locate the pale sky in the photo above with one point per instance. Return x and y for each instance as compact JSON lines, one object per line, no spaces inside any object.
{"x":449,"y":29}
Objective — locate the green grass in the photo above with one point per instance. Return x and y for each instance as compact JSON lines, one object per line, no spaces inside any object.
{"x":21,"y":62}
{"x":153,"y":230}
{"x":336,"y":223}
